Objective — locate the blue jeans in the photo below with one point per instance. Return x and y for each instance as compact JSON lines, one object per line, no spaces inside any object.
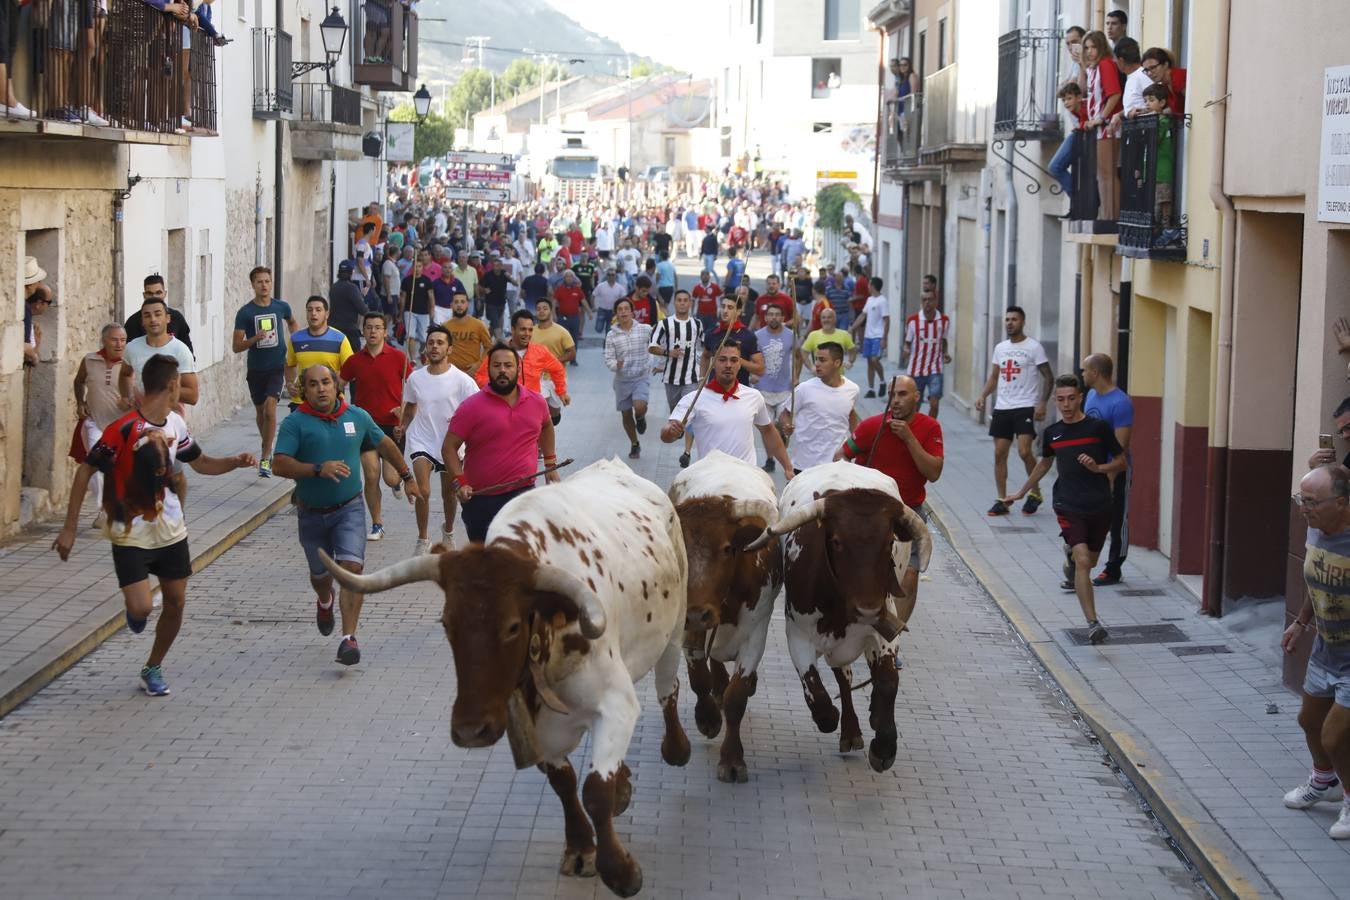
{"x":1059,"y":163}
{"x":602,"y":319}
{"x":710,"y":263}
{"x":573,"y":325}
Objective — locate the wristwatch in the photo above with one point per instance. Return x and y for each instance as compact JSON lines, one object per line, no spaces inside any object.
{"x":318,"y":468}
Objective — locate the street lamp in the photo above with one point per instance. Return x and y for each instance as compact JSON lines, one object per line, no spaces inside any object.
{"x":333,"y":32}
{"x":422,"y":103}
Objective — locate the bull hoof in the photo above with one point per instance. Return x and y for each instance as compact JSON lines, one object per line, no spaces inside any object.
{"x":850,"y":742}
{"x":624,"y":879}
{"x":578,"y":863}
{"x":733,"y":772}
{"x":826,"y":718}
{"x":708,"y":717}
{"x":675,"y":751}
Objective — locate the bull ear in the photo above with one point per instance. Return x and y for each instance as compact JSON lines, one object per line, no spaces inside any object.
{"x":746,"y":532}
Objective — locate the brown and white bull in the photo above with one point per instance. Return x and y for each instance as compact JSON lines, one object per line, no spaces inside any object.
{"x":848,"y":540}
{"x":724,"y":503}
{"x":577,"y":593}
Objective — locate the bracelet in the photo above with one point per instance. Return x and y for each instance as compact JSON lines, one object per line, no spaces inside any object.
{"x":1304,"y":625}
{"x":405,"y":476}
{"x":456,"y":484}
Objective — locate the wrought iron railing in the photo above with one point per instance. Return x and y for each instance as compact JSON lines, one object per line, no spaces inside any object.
{"x":1150,"y":165}
{"x":319,"y":102}
{"x":1083,"y":169}
{"x":126,"y":67}
{"x":272,"y":94}
{"x":903,"y":127}
{"x":1026,"y":107}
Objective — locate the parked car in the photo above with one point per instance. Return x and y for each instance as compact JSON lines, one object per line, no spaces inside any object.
{"x":656,"y":173}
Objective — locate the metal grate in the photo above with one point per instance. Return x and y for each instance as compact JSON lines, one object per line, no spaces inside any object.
{"x":1144,"y":592}
{"x":1134,"y":634}
{"x":1200,"y":650}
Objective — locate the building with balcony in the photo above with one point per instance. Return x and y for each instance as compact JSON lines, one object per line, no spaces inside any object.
{"x":134,"y":160}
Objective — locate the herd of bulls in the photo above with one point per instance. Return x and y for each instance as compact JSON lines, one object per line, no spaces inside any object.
{"x":584,"y":586}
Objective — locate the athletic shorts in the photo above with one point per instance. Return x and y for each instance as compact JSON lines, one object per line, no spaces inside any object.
{"x":628,"y":391}
{"x":1005,"y":423}
{"x":1089,"y":528}
{"x":264,"y":384}
{"x":931,"y":385}
{"x":675,"y":391}
{"x":416,"y":325}
{"x":1322,"y":682}
{"x":389,"y":433}
{"x":340,"y":533}
{"x":441,"y":314}
{"x":871,"y":348}
{"x":436,"y":464}
{"x":133,"y":564}
{"x":776,"y":400}
{"x":550,"y":394}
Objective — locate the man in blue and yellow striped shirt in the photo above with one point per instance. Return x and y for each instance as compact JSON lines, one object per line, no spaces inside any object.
{"x":316,"y":344}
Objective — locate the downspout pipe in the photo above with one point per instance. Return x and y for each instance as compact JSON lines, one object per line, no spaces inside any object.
{"x":1123,"y":326}
{"x":1216,"y":480}
{"x":278,"y":186}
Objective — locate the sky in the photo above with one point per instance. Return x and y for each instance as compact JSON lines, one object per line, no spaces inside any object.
{"x":647,"y":27}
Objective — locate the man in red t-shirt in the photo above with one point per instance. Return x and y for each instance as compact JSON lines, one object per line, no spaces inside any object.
{"x":376,"y":374}
{"x":645,"y":309}
{"x":706,"y":294}
{"x":906,"y":445}
{"x":567,"y":300}
{"x":773,"y":297}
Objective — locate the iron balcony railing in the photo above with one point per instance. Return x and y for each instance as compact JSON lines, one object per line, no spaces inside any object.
{"x":946,"y":124}
{"x":272,"y":94}
{"x":386,"y":45}
{"x":904,"y":124}
{"x":127,"y":67}
{"x":319,"y":102}
{"x":1083,"y":200}
{"x":1151,"y":149}
{"x":1026,"y":107}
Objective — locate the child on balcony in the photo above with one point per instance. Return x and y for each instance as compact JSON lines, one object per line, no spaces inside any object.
{"x":1155,"y":102}
{"x":1071,"y":95}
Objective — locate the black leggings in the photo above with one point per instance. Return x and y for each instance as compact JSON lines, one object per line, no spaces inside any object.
{"x":480,"y":509}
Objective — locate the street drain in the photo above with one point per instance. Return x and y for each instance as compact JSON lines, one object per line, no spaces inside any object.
{"x":1200,"y":650}
{"x":1133,"y":634}
{"x":1142,"y":592}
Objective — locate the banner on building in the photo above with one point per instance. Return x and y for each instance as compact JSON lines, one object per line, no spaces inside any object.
{"x":399,"y":141}
{"x":1333,"y":172}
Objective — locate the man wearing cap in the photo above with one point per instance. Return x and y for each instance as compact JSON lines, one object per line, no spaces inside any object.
{"x":346,"y":305}
{"x":36,"y":298}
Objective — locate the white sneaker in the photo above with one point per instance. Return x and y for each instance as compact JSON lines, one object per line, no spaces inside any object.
{"x":94,"y":118}
{"x":17,"y":111}
{"x":397,"y":491}
{"x":376,"y":532}
{"x":1341,"y":830}
{"x":1305,"y":795}
{"x":421,"y":547}
{"x":448,"y":539}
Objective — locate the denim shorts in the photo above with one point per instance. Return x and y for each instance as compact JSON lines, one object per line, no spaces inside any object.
{"x":1322,"y":682}
{"x":340,"y":533}
{"x":930,"y":385}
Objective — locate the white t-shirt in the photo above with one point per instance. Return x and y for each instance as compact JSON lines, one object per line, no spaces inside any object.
{"x":437,"y":397}
{"x":726,"y":425}
{"x":628,"y":260}
{"x":876,"y":309}
{"x":603,"y":240}
{"x":1019,"y":382}
{"x":821,"y":421}
{"x":169,"y":526}
{"x":138,"y":352}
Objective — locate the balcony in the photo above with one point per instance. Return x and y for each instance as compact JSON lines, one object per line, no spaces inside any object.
{"x":951,"y":133}
{"x":1150,"y":165}
{"x":272,"y":92}
{"x":1026,"y":108}
{"x":1084,"y":226}
{"x":903,"y":128}
{"x":125,"y":77}
{"x":386,"y":49}
{"x":327,"y":125}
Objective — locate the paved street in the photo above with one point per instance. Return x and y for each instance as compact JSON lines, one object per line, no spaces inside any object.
{"x":273,"y":771}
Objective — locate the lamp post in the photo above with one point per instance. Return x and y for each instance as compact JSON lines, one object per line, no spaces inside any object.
{"x":422,"y":103}
{"x":333,"y":32}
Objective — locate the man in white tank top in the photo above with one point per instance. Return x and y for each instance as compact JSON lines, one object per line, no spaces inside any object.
{"x":97,"y":401}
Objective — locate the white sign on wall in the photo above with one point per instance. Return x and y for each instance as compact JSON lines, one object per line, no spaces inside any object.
{"x":1333,"y":172}
{"x":399,"y":141}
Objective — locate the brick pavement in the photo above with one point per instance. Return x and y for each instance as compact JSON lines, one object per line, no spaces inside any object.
{"x":273,"y":771}
{"x":1222,"y":721}
{"x":51,"y":612}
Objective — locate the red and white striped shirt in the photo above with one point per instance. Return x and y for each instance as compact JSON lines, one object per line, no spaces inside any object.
{"x":924,"y":338}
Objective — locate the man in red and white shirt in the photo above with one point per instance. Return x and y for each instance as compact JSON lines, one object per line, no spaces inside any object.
{"x":926,"y":347}
{"x":706,"y":294}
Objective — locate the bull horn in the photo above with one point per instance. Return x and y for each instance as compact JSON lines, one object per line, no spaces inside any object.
{"x":418,"y":568}
{"x":913,"y":528}
{"x":590,"y":614}
{"x":742,"y":508}
{"x":811,"y":512}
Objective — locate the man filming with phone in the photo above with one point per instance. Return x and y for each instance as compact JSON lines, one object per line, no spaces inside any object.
{"x":1326,"y":443}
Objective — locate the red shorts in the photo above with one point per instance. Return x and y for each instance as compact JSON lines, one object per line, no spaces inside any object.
{"x":1085,"y":528}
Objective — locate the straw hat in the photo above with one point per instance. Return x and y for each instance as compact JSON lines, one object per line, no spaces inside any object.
{"x":32,"y":272}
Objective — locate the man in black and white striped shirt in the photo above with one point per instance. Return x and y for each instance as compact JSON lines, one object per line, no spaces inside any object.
{"x":679,"y":339}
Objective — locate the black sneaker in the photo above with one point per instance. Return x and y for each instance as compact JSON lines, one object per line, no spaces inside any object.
{"x":324,"y":617}
{"x":1106,"y":577}
{"x":348,"y":653}
{"x":636,"y":452}
{"x":136,"y":625}
{"x":871,"y":394}
{"x":641,"y":423}
{"x":769,"y":465}
{"x":998,"y":509}
{"x":1032,"y":503}
{"x":1097,"y":632}
{"x":1067,"y":585}
{"x":684,"y":460}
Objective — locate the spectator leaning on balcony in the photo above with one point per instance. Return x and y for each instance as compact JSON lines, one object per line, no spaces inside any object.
{"x":1136,"y":79}
{"x":1101,"y":89}
{"x":1155,"y":98}
{"x":10,"y":107}
{"x":1061,"y":164}
{"x":1117,"y":21}
{"x":1158,"y":65}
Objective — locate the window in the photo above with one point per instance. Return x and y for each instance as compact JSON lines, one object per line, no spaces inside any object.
{"x":758,"y":18}
{"x":942,"y":43}
{"x":824,"y":76}
{"x":842,"y":20}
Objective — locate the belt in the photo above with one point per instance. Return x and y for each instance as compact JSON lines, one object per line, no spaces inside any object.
{"x":322,"y":510}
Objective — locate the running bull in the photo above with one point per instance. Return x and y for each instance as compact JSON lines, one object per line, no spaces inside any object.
{"x":848,"y":540}
{"x":577,"y":593}
{"x":725,"y":503}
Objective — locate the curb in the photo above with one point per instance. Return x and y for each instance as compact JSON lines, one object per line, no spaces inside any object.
{"x":1227,"y":871}
{"x":78,"y":640}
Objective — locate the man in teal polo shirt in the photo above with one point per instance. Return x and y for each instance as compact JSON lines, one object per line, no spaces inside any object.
{"x":320,"y":447}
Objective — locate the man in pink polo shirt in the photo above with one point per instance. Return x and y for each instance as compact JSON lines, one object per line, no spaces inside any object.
{"x":503,"y":429}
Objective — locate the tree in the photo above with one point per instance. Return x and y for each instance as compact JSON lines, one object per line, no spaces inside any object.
{"x":523,"y":74}
{"x":471,"y":94}
{"x":644,"y":67}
